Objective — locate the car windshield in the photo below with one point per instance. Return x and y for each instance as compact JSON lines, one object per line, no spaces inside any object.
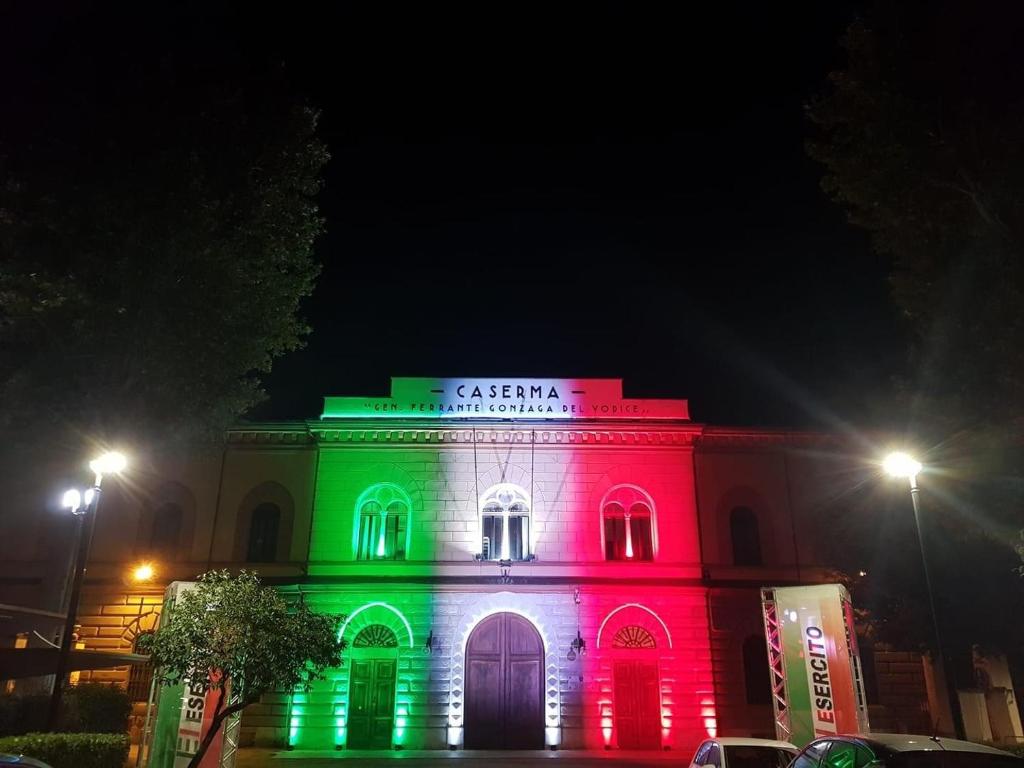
{"x":941,"y":759}
{"x":757,"y":757}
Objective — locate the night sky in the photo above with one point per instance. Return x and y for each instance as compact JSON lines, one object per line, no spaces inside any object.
{"x":599,"y":190}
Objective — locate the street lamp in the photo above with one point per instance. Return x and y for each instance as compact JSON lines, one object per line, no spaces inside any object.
{"x":82,"y":506}
{"x":902,"y":465}
{"x":143,"y":572}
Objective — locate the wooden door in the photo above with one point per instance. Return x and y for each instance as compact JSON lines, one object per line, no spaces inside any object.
{"x":637,"y":705}
{"x":504,"y":694}
{"x":371,"y":703}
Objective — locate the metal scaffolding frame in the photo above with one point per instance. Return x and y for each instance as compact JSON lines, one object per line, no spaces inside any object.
{"x":776,"y":665}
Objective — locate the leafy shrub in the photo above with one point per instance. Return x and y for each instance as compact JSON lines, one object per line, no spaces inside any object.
{"x":23,"y":713}
{"x":95,"y":708}
{"x":70,"y":750}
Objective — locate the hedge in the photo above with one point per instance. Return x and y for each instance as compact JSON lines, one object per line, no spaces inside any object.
{"x":70,"y":750}
{"x":86,"y":708}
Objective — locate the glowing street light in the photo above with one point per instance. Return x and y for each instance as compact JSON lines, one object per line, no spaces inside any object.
{"x":72,"y":500}
{"x":82,"y":506}
{"x":143,"y":572}
{"x":899,"y":464}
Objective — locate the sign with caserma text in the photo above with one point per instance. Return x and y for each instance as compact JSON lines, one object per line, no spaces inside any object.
{"x":572,"y":399}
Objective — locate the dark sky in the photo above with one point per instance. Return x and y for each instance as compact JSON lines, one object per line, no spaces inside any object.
{"x":561,"y":190}
{"x":611,"y":192}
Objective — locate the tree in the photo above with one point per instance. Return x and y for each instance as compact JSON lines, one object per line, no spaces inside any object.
{"x":232,"y":631}
{"x":921,"y":137}
{"x":157,"y":220}
{"x":922,"y":141}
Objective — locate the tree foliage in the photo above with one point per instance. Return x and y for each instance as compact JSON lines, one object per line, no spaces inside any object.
{"x":233,"y":630}
{"x":922,"y":140}
{"x":921,"y":137}
{"x":157,"y":219}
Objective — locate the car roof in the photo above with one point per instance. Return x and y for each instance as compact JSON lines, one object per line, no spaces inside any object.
{"x":745,"y":741}
{"x":909,"y":742}
{"x":28,"y":762}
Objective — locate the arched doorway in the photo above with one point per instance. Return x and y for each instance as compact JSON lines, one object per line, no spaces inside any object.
{"x":504,"y":693}
{"x":371,"y":688}
{"x":637,"y":689}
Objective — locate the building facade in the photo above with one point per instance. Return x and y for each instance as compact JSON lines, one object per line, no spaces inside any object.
{"x":522,"y":563}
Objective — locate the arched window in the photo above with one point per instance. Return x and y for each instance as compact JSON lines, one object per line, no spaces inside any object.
{"x":755,"y":671}
{"x":383,"y":524}
{"x":628,"y":523}
{"x":166,"y":534}
{"x":746,"y":538}
{"x":505,"y":524}
{"x":140,"y":676}
{"x":263,"y":526}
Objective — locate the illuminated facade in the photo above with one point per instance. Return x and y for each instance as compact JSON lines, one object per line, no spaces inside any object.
{"x":522,"y":563}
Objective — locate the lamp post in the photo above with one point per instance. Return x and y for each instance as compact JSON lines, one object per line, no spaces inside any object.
{"x":903,"y":465}
{"x":83,"y":507}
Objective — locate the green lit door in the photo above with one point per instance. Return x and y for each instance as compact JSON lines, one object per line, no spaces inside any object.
{"x":371,"y":708}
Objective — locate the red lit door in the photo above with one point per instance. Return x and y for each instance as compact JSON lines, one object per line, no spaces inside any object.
{"x":637,"y":705}
{"x":504,"y":698}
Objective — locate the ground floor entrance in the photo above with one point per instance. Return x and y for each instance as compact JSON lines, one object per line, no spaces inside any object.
{"x":637,"y":704}
{"x":504,"y":685}
{"x":371,"y":717}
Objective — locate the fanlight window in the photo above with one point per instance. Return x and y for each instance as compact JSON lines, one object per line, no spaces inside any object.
{"x":375,"y":636}
{"x":633,"y":636}
{"x":383,"y":525}
{"x":628,"y":525}
{"x":505,"y":524}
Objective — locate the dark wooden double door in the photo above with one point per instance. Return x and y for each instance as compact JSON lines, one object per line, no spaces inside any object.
{"x":504,"y":693}
{"x":637,"y":704}
{"x":371,"y":703}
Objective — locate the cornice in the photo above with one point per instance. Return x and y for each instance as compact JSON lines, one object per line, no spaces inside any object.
{"x":738,"y":437}
{"x":279,"y":433}
{"x":541,"y":436}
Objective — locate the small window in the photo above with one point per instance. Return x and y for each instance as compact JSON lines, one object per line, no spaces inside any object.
{"x":394,"y":531}
{"x":263,"y":527}
{"x":702,"y":752}
{"x":746,"y":537}
{"x":505,"y":524}
{"x":383,"y":526}
{"x":165,"y":537}
{"x":714,"y":756}
{"x":627,"y":534}
{"x":369,"y":531}
{"x":755,"y":671}
{"x":627,"y":520}
{"x":812,"y":754}
{"x":845,"y":754}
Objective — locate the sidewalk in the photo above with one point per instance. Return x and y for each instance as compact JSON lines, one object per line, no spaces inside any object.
{"x":272,"y":758}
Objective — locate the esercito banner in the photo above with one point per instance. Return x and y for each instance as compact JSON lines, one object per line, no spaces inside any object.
{"x":823,"y":692}
{"x":184,"y":714}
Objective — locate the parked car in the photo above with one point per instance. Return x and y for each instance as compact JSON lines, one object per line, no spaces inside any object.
{"x":740,"y":752}
{"x":21,"y":760}
{"x":900,"y":750}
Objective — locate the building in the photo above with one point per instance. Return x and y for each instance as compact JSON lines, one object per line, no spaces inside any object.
{"x":528,"y":563}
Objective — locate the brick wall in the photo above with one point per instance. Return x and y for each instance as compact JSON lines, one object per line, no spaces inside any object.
{"x":902,"y":698}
